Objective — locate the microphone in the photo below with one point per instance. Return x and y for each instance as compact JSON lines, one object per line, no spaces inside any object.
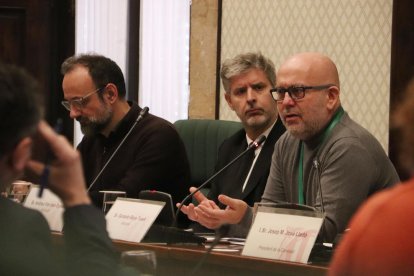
{"x":316,"y":165}
{"x":141,"y":115}
{"x":253,"y":146}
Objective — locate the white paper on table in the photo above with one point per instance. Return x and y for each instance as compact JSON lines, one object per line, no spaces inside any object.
{"x":129,"y":219}
{"x":49,"y":205}
{"x":282,"y":234}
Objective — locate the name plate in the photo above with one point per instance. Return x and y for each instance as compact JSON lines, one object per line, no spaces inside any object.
{"x":49,"y":205}
{"x":283,"y":234}
{"x":129,"y":219}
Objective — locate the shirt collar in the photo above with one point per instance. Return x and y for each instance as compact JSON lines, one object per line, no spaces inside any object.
{"x":265,"y":133}
{"x":125,"y":124}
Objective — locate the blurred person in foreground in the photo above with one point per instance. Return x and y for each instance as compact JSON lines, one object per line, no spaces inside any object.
{"x":26,"y":247}
{"x":380,"y":237}
{"x":351,"y":164}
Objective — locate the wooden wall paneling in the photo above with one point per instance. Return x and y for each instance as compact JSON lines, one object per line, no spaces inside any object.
{"x":402,"y":68}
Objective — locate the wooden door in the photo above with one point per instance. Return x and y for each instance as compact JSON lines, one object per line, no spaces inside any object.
{"x":38,"y":35}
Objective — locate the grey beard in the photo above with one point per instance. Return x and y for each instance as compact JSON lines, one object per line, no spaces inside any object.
{"x":95,"y":126}
{"x":92,"y":129}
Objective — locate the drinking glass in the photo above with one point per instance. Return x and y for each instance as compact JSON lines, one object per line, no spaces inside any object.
{"x":143,"y":261}
{"x":19,"y":190}
{"x":109,"y":198}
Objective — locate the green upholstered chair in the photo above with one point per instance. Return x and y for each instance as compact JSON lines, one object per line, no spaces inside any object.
{"x":202,"y":139}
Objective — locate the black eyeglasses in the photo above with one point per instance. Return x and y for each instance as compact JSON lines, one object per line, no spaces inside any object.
{"x":295,"y":92}
{"x":79,"y":103}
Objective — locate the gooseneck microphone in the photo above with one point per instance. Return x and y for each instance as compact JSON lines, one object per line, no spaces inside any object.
{"x":316,"y":165}
{"x":141,"y":115}
{"x":253,"y":146}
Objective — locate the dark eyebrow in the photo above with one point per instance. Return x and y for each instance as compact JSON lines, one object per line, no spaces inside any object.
{"x":261,"y":84}
{"x":292,"y":85}
{"x":240,"y":88}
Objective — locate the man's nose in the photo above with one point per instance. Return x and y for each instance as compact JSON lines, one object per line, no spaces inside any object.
{"x":74,"y":113}
{"x":287,"y":100}
{"x":251,"y":94}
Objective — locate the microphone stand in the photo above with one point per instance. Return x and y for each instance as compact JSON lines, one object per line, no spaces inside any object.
{"x":254,"y":145}
{"x":221,"y":232}
{"x":141,"y":115}
{"x":172,"y":234}
{"x":317,"y":167}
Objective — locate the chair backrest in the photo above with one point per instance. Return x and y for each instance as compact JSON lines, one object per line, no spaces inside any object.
{"x":202,"y":138}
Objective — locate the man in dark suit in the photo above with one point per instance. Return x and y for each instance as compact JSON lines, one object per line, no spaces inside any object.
{"x":26,"y":247}
{"x":255,"y":184}
{"x":247,"y":80}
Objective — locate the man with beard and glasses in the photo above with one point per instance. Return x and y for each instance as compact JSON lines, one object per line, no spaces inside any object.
{"x":247,"y":79}
{"x":153,"y":156}
{"x":350,"y":163}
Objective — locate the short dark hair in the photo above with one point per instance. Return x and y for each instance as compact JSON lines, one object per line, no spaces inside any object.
{"x":242,"y":63}
{"x":20,"y":106}
{"x":102,"y":70}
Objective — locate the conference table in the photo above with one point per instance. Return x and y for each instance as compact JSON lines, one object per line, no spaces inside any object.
{"x":181,"y":260}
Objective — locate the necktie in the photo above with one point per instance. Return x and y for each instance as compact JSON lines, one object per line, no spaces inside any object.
{"x":247,"y":162}
{"x":238,"y":176}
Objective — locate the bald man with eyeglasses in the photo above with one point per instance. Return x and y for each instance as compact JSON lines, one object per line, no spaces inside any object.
{"x":324,"y":160}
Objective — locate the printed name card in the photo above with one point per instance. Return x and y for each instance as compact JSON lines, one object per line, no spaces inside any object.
{"x":129,"y":219}
{"x":283,"y":234}
{"x":49,"y":205}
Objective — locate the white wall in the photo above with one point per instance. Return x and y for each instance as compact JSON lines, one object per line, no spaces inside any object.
{"x":356,"y":34}
{"x":101,"y":27}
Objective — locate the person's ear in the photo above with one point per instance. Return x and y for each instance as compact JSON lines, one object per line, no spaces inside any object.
{"x":227,"y":96}
{"x":21,"y":154}
{"x":111,"y":93}
{"x":333,"y":97}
